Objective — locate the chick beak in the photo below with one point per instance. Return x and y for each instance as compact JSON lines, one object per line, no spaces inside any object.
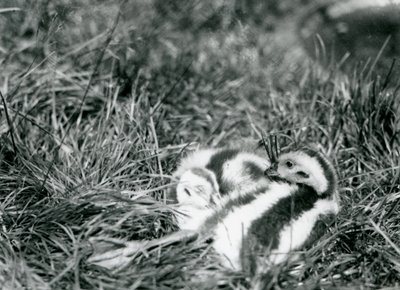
{"x":272,"y":170}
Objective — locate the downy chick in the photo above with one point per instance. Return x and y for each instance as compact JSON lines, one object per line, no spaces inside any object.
{"x":208,"y":178}
{"x":198,"y":195}
{"x":261,"y":228}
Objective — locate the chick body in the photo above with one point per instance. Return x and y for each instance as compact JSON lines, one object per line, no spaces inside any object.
{"x":209,"y":178}
{"x":236,"y":170}
{"x":198,"y":195}
{"x":231,"y":224}
{"x":261,"y":228}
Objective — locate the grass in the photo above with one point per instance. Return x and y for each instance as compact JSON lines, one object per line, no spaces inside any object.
{"x":101,"y":109}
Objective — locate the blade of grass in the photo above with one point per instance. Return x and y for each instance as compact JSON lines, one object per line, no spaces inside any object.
{"x":9,"y":124}
{"x":91,"y":79}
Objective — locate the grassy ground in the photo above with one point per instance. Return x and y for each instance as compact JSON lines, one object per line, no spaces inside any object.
{"x":101,"y":107}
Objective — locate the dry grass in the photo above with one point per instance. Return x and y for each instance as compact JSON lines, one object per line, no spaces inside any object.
{"x":101,"y":109}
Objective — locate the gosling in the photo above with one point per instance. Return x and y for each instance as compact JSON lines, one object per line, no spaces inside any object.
{"x":261,"y":228}
{"x":209,"y":178}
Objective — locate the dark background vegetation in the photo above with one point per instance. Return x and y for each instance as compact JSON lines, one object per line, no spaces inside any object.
{"x":101,"y":107}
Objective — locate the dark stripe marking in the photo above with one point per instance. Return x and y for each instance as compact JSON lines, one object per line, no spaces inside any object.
{"x":216,"y":165}
{"x":253,"y":170}
{"x":267,"y":228}
{"x":264,"y":232}
{"x":329,"y":170}
{"x":323,"y":222}
{"x":212,"y":221}
{"x":206,"y":175}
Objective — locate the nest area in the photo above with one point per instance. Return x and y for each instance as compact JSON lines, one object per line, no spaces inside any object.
{"x":101,"y":101}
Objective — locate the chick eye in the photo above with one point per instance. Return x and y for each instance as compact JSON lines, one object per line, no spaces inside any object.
{"x":302,"y":174}
{"x":188,"y":192}
{"x":289,"y":164}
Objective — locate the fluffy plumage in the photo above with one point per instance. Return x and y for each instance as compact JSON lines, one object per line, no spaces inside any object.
{"x":198,"y":195}
{"x":306,"y":166}
{"x":209,"y":178}
{"x":257,"y":228}
{"x":235,"y":169}
{"x":254,"y":229}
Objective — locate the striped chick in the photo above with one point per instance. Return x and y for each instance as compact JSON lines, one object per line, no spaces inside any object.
{"x":236,"y":170}
{"x":261,"y":228}
{"x":209,"y":178}
{"x":197,"y":193}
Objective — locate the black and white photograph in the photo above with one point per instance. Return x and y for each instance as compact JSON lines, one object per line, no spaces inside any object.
{"x":199,"y":144}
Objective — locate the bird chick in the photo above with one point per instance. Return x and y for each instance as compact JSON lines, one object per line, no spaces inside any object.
{"x":209,"y":178}
{"x":306,"y":166}
{"x":234,"y":169}
{"x":254,"y":229}
{"x":197,"y":193}
{"x":263,"y":227}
